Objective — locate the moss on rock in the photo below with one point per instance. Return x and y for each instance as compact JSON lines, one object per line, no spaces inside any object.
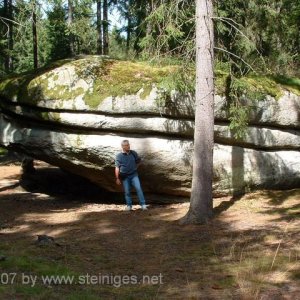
{"x":120,"y":78}
{"x":94,"y":78}
{"x":11,"y":86}
{"x":25,"y":87}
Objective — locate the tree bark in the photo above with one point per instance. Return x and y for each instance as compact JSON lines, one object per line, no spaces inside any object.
{"x":105,"y":27}
{"x":34,"y":35}
{"x":99,"y":28}
{"x":201,"y":208}
{"x":8,"y":13}
{"x":5,"y":15}
{"x":70,"y":22}
{"x":128,"y":33}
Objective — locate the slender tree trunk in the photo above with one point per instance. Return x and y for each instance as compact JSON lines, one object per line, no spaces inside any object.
{"x":11,"y":36}
{"x":128,"y":33}
{"x":105,"y":27}
{"x":5,"y":15}
{"x":150,"y":26}
{"x":129,"y":16}
{"x":151,"y":8}
{"x":200,"y":210}
{"x":145,"y":9}
{"x":70,"y":22}
{"x":8,"y":13}
{"x":34,"y":34}
{"x":99,"y":27}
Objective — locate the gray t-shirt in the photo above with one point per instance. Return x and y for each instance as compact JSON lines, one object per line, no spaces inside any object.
{"x":127,"y":162}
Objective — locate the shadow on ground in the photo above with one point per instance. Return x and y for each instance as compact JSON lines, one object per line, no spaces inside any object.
{"x":56,"y":182}
{"x":10,"y":158}
{"x":249,"y":250}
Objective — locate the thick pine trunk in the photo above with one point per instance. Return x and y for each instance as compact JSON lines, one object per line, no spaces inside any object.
{"x":105,"y":27}
{"x":200,"y":210}
{"x":99,"y":28}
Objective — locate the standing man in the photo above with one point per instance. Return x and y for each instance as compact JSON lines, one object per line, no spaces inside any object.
{"x":127,"y":163}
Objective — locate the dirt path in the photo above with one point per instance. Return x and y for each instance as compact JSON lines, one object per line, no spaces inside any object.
{"x":250,"y":250}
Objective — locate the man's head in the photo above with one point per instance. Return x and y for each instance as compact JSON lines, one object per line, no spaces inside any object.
{"x":125,"y":145}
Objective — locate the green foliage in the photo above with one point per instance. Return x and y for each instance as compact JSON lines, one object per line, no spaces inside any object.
{"x":251,"y":87}
{"x":263,"y":33}
{"x":117,"y":45}
{"x":182,"y":80}
{"x":238,"y":117}
{"x":3,"y":151}
{"x":27,"y":263}
{"x":82,"y":28}
{"x":236,"y":90}
{"x":289,"y":83}
{"x":57,"y":33}
{"x":171,"y":30}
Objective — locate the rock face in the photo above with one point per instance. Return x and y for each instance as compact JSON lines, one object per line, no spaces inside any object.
{"x":62,"y":116}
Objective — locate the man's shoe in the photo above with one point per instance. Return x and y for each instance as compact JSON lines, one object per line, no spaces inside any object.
{"x":128,"y":208}
{"x":144,"y":207}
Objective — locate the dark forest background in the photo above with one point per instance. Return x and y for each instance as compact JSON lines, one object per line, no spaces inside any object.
{"x":255,"y":34}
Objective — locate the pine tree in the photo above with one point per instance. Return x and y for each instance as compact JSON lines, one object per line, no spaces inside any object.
{"x":200,"y":210}
{"x":99,"y":27}
{"x":34,"y":35}
{"x":105,"y":27}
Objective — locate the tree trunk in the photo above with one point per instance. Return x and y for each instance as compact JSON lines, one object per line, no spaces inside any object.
{"x":34,"y":34}
{"x":128,"y":32}
{"x":99,"y":28}
{"x":200,"y":210}
{"x":8,"y":13}
{"x":5,"y":15}
{"x":70,"y":23}
{"x":151,"y":8}
{"x":105,"y":27}
{"x":11,"y":38}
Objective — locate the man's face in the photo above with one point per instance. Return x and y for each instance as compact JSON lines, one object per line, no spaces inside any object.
{"x":126,"y":147}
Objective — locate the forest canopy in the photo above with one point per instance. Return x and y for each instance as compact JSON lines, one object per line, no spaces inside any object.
{"x":254,"y":35}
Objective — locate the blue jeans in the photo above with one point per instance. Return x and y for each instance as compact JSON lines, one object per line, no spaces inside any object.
{"x":133,"y":180}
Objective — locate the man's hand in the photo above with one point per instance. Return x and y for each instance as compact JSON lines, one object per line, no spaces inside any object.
{"x":118,"y":181}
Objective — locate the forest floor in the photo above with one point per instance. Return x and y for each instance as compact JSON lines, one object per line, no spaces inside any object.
{"x":250,"y":250}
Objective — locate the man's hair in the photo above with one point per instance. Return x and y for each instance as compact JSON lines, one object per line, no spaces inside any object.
{"x":124,"y":141}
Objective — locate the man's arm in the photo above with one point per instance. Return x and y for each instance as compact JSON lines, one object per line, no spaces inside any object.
{"x":117,"y":174}
{"x":138,"y":159}
{"x":117,"y":170}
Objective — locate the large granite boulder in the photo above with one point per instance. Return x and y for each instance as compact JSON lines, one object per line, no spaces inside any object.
{"x":74,"y":115}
